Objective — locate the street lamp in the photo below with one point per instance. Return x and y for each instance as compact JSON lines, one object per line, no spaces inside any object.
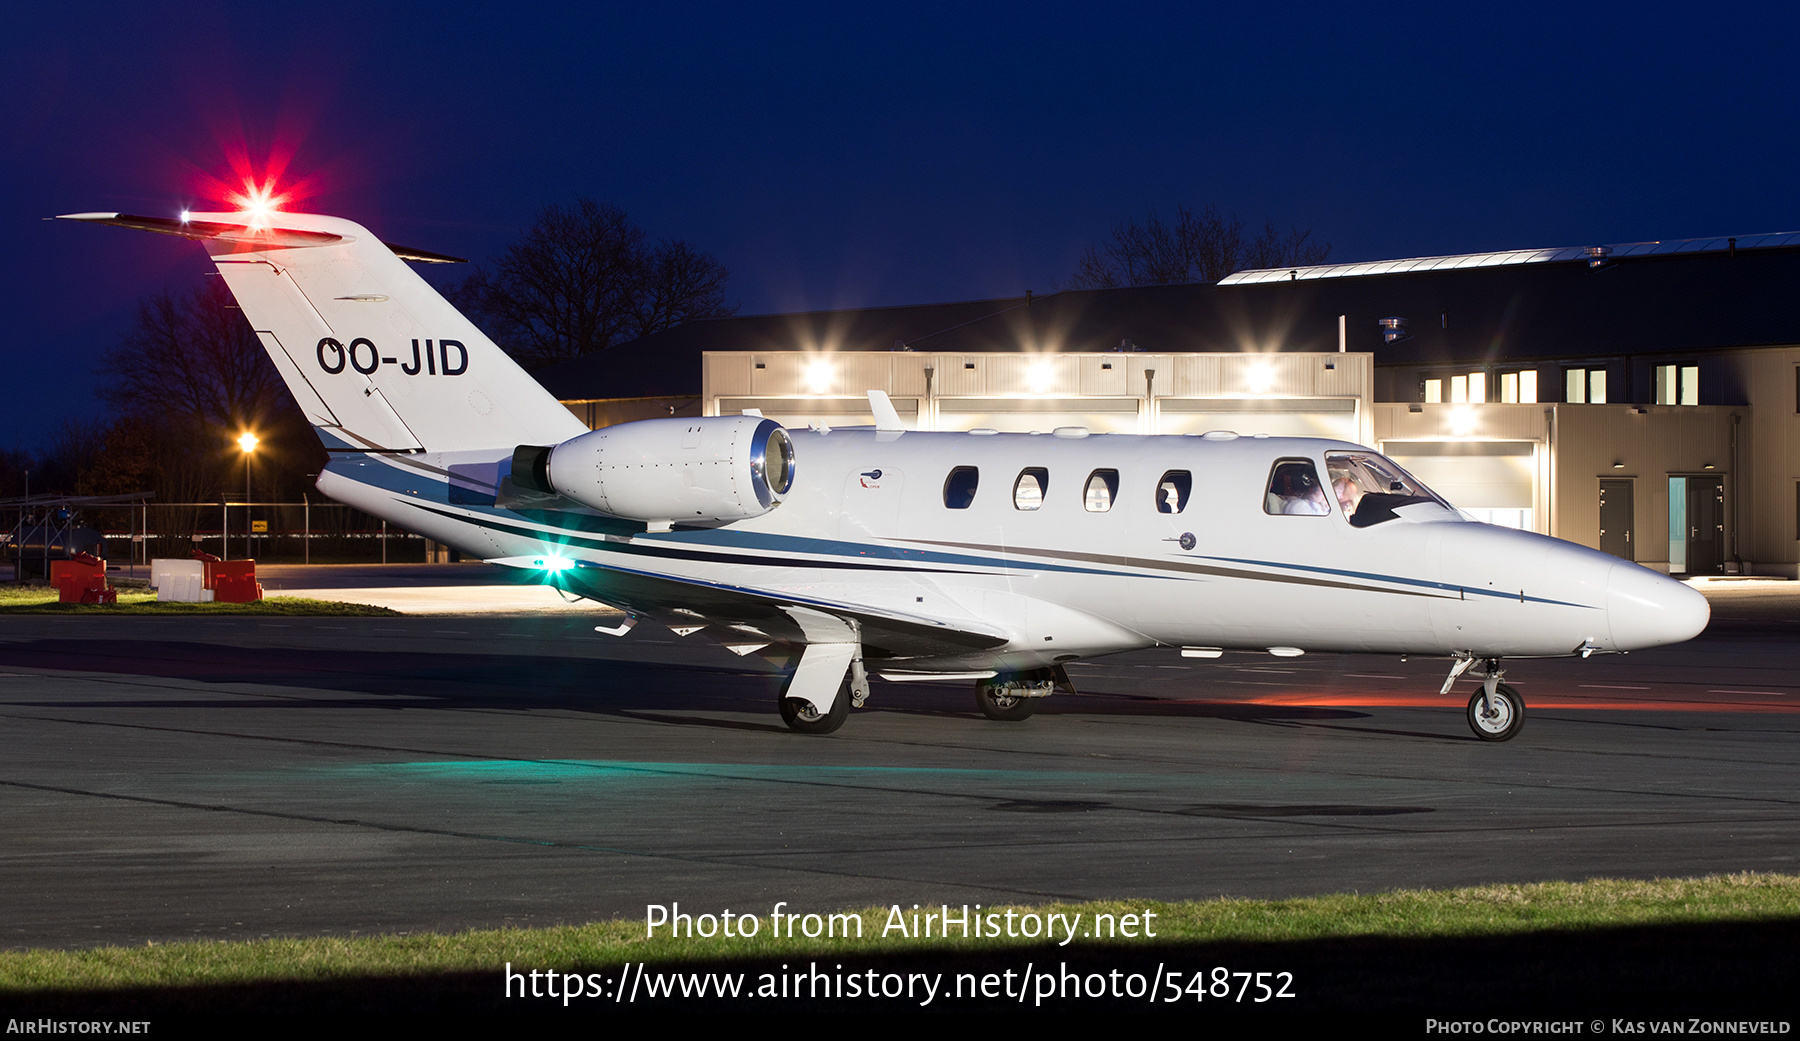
{"x":247,"y":441}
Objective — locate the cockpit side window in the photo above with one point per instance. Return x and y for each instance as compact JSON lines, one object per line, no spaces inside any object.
{"x":1030,"y":488}
{"x":1294,"y":490}
{"x":1369,"y":487}
{"x":959,"y":487}
{"x":1173,"y":491}
{"x":1102,"y":489}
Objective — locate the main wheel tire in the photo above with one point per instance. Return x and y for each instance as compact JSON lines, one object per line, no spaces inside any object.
{"x":997,"y":703}
{"x":802,"y":718}
{"x":1503,"y":724}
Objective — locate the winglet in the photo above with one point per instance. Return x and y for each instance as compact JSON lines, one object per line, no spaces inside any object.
{"x":886,"y":418}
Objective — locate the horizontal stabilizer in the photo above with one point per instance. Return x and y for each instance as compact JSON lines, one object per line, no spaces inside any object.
{"x":251,"y":235}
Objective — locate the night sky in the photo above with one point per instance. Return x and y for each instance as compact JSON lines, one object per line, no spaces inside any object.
{"x":842,"y":155}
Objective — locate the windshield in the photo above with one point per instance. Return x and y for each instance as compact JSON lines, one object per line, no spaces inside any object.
{"x":1370,"y":486}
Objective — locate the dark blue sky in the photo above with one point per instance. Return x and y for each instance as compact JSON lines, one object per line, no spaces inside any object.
{"x":839,"y":155}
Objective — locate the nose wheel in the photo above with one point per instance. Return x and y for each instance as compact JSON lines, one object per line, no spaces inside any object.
{"x":1498,"y":716}
{"x":1496,"y":712}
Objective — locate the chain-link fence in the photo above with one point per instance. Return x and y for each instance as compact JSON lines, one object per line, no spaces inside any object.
{"x":272,"y":532}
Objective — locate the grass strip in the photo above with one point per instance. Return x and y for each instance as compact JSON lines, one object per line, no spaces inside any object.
{"x":38,"y":600}
{"x":1479,"y":911}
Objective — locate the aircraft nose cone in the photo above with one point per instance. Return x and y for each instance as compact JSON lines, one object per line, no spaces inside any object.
{"x":1646,"y":609}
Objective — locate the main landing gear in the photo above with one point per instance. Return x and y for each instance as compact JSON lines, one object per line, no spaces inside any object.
{"x":1003,"y":702}
{"x":1496,"y":712}
{"x":819,"y":666}
{"x":802,"y":718}
{"x":1008,"y":698}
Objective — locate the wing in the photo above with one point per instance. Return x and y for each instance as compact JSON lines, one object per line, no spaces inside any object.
{"x":767,"y":616}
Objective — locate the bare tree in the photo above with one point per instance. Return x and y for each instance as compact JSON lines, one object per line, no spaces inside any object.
{"x":184,"y":381}
{"x":1203,"y":247}
{"x":584,"y":278}
{"x":193,"y":359}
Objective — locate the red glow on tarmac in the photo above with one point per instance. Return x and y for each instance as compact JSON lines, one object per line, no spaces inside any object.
{"x":1777,"y":704}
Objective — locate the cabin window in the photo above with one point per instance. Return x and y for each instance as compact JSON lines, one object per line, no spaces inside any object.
{"x":1294,"y":490}
{"x":1029,"y":489}
{"x":1102,"y":489}
{"x":959,"y":487}
{"x":1173,"y":490}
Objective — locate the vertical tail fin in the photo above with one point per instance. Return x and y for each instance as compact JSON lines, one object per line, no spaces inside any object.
{"x":377,"y":358}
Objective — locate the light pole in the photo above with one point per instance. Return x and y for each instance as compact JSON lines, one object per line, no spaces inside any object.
{"x":247,"y":441}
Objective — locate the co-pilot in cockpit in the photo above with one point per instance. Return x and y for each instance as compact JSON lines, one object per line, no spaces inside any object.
{"x":1294,"y":490}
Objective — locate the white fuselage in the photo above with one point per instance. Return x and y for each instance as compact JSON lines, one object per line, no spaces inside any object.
{"x":1064,"y":581}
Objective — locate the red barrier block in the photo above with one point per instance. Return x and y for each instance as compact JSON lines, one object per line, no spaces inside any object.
{"x":234,"y":582}
{"x":80,"y":581}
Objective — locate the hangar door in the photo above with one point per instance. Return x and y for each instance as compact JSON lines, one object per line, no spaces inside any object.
{"x":1493,"y":480}
{"x":1277,"y":417}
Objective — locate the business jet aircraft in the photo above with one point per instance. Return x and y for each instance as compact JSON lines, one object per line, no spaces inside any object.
{"x":919,"y":556}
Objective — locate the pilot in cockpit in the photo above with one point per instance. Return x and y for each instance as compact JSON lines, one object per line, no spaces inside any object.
{"x":1294,"y":491}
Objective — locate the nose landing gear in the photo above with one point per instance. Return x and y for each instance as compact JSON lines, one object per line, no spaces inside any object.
{"x":1498,"y":716}
{"x":1496,"y":712}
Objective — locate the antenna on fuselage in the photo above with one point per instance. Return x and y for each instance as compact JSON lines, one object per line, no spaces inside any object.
{"x":887,"y":418}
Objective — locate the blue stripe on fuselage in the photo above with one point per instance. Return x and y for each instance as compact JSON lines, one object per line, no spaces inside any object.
{"x":419,"y":486}
{"x":1448,"y":587}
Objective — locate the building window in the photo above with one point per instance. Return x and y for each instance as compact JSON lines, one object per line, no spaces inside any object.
{"x":1434,"y":391}
{"x":1585,"y":386}
{"x":1472,"y":387}
{"x":1678,"y":384}
{"x":1519,"y":387}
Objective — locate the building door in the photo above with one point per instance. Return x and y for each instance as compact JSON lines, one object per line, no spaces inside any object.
{"x":1705,"y":525}
{"x":1615,"y":519}
{"x":1678,"y":525}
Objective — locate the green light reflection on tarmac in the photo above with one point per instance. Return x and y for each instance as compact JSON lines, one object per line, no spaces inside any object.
{"x":622,"y":771}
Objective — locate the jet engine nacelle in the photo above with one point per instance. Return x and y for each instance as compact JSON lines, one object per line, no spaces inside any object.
{"x":663,"y":471}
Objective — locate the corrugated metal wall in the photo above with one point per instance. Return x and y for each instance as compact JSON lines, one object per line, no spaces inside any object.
{"x":1120,"y":392}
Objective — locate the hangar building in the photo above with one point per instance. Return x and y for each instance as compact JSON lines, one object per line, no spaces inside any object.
{"x":1641,"y":398}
